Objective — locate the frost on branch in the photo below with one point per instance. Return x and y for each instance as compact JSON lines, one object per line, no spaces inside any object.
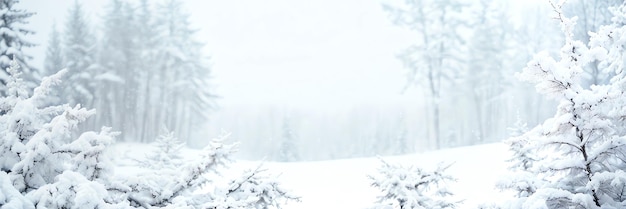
{"x":407,"y":188}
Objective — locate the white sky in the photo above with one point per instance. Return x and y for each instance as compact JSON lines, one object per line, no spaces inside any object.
{"x":295,"y":53}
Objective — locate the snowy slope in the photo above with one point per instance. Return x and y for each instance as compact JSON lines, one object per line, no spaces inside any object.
{"x":344,"y":183}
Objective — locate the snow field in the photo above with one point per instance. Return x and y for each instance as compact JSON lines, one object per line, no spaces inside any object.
{"x":344,"y":183}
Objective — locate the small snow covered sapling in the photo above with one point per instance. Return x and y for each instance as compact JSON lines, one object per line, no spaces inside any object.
{"x":521,"y":179}
{"x":167,"y":154}
{"x":409,"y":188}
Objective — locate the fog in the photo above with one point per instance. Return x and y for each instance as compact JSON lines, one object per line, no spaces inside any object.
{"x":330,"y":72}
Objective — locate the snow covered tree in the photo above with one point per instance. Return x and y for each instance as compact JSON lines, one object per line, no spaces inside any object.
{"x":184,"y":94}
{"x":79,"y":51}
{"x":147,"y":75}
{"x":54,"y":53}
{"x":523,"y":157}
{"x":288,"y":151}
{"x":54,"y":59}
{"x":152,"y":72}
{"x":522,"y":179}
{"x":519,"y":127}
{"x":167,"y":154}
{"x":20,"y":117}
{"x":401,"y":138}
{"x":591,"y":15}
{"x":13,"y":41}
{"x":485,"y":76}
{"x":581,"y":149}
{"x":36,"y":161}
{"x":119,"y":58}
{"x":409,"y":188}
{"x":437,"y":56}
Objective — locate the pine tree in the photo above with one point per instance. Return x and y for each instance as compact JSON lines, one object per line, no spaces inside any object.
{"x":485,"y":77}
{"x":35,"y":167}
{"x":54,"y":56}
{"x":581,"y":149}
{"x":184,"y":92}
{"x":79,"y":51}
{"x":522,"y":179}
{"x":54,"y":59}
{"x":13,"y":41}
{"x":120,"y":57}
{"x":591,"y":15}
{"x":288,"y":151}
{"x":167,"y":154}
{"x":147,"y":45}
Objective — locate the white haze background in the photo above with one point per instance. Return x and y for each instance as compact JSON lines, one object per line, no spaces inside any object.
{"x":328,"y":66}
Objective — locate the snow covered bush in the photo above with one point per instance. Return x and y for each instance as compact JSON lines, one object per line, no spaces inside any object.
{"x":45,"y":164}
{"x":580,"y":151}
{"x":409,"y":188}
{"x":253,"y":189}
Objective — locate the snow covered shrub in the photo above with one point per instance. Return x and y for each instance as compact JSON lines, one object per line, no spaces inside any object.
{"x":253,"y":189}
{"x":581,"y":152}
{"x":44,"y":165}
{"x":409,"y":188}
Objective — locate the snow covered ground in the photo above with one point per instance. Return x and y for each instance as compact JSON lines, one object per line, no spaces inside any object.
{"x":344,"y":183}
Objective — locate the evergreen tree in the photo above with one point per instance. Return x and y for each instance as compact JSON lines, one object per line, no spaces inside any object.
{"x":581,"y":149}
{"x":401,"y":142}
{"x":288,"y":150}
{"x":54,"y":54}
{"x":184,"y":91}
{"x":591,"y":15}
{"x":148,"y":75}
{"x":13,"y":41}
{"x":54,"y":60}
{"x":79,"y":51}
{"x":485,"y":77}
{"x":167,"y":154}
{"x":151,"y":75}
{"x":119,"y":57}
